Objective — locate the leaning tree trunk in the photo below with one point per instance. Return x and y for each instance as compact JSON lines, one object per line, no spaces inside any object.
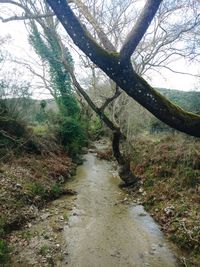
{"x":124,"y":170}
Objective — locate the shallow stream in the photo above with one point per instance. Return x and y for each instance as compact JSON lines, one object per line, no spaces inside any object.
{"x":103,"y":228}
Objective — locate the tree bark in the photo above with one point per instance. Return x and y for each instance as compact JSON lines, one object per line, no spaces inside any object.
{"x":121,"y":71}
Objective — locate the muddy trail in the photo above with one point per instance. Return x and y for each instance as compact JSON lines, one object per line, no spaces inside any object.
{"x":99,"y":227}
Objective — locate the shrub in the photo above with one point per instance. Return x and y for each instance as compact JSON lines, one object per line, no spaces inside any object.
{"x":95,"y":127}
{"x":72,"y":135}
{"x":36,"y":189}
{"x":44,"y":250}
{"x":56,"y":190}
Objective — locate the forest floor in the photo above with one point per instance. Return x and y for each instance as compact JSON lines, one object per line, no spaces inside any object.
{"x":28,"y":183}
{"x":168,"y":167}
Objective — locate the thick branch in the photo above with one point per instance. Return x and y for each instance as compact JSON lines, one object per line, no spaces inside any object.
{"x":124,"y":75}
{"x":78,"y":32}
{"x":139,"y":29}
{"x":116,"y":144}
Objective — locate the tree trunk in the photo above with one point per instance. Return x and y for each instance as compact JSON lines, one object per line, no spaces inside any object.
{"x":124,"y":163}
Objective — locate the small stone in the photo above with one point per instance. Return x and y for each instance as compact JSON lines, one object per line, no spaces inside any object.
{"x":18,"y":186}
{"x":58,"y":228}
{"x":142,"y":214}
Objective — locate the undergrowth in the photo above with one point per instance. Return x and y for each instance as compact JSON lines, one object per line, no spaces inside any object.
{"x":169,"y":170}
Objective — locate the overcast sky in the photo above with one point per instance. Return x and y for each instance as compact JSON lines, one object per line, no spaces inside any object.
{"x":19,"y":47}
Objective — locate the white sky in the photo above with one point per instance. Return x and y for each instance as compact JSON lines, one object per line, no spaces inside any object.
{"x":20,"y":48}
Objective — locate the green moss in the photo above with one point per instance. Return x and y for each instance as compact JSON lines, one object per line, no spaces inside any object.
{"x":115,"y":54}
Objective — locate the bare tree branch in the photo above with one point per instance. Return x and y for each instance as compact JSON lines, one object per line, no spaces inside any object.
{"x":7,"y":135}
{"x":175,"y":71}
{"x":102,"y":36}
{"x":11,"y":2}
{"x":110,"y":99}
{"x":13,"y":18}
{"x":138,"y":31}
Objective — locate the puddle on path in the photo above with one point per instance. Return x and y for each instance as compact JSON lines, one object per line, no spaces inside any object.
{"x":102,"y":231}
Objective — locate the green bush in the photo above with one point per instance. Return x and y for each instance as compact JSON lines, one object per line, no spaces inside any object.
{"x":96,"y":128}
{"x":36,"y":189}
{"x":72,"y":135}
{"x":56,"y":190}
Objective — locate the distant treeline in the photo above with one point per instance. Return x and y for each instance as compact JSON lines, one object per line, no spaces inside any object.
{"x":188,"y":100}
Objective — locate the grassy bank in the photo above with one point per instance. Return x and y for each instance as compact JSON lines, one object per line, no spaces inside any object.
{"x":28,"y":182}
{"x":169,"y":171}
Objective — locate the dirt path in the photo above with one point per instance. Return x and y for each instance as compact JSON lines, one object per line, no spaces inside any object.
{"x":103,"y":228}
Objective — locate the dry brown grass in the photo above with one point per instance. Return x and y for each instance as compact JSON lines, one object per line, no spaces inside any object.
{"x":169,"y":169}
